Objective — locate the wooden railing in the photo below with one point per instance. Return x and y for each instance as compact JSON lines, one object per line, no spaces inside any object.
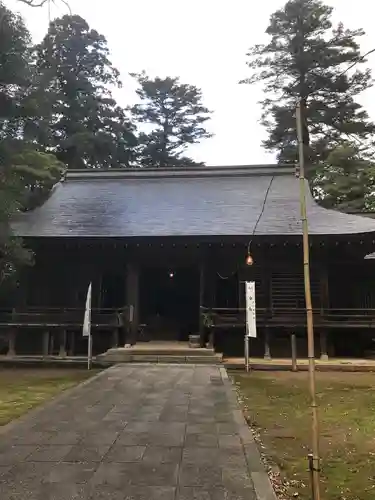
{"x":291,"y":317}
{"x":60,"y":317}
{"x":57,"y":317}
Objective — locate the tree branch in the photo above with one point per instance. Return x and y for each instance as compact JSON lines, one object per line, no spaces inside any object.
{"x":32,"y":3}
{"x":40,"y":3}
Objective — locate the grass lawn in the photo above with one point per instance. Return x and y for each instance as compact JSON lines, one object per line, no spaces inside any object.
{"x":22,"y":389}
{"x":277,"y":407}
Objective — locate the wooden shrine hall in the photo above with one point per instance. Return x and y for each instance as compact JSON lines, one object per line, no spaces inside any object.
{"x":172,"y":243}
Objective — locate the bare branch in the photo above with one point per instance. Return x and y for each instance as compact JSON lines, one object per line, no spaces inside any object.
{"x":40,"y":3}
{"x":32,"y":3}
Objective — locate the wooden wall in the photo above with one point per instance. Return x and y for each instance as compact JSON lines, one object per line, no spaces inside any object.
{"x":338,"y":279}
{"x":61,"y":274}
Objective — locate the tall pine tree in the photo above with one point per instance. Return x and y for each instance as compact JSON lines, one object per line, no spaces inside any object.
{"x":309,"y":60}
{"x":26,"y":174}
{"x":14,"y":79}
{"x":176,"y":116}
{"x":82,"y":124}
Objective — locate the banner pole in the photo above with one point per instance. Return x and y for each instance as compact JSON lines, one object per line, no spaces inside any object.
{"x":89,"y":352}
{"x":251,"y":327}
{"x":86,"y":330}
{"x":247,"y":361}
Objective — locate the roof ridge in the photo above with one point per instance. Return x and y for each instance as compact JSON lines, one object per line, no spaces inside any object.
{"x":165,"y":172}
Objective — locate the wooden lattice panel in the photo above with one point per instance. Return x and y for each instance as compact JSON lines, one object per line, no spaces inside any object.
{"x":288,"y":291}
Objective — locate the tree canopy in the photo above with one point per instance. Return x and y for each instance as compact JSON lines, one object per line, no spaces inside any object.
{"x":14,"y":49}
{"x":26,"y":174}
{"x":308,"y":60}
{"x":81,"y":123}
{"x":347,"y":181}
{"x":57,"y":111}
{"x":176,"y":116}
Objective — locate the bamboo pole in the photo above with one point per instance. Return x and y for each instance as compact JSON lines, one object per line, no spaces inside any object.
{"x":309,"y":314}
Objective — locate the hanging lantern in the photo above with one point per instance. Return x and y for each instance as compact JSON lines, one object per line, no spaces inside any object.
{"x":249,"y":260}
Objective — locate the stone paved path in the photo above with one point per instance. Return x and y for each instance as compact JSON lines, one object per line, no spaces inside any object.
{"x":140,"y":432}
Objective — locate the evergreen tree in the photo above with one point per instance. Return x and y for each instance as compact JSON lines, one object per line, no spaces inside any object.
{"x":176,"y":115}
{"x":347,"y":181}
{"x":14,"y":50}
{"x":308,"y":60}
{"x":82,"y":124}
{"x":26,"y":175}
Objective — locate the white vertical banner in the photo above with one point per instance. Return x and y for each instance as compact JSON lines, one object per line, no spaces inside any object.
{"x":251,"y":326}
{"x":86,"y":331}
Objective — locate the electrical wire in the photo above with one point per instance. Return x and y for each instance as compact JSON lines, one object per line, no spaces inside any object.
{"x":255,"y":227}
{"x":264,"y":204}
{"x":261,"y":212}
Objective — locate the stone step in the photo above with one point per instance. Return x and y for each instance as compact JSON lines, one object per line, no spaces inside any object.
{"x":160,"y":351}
{"x":158,"y":358}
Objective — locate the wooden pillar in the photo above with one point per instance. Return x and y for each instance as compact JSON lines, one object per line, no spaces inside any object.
{"x":52,"y":343}
{"x":132,"y":294}
{"x":12,"y":342}
{"x":201,"y":304}
{"x":293,"y":342}
{"x":46,"y":342}
{"x":12,"y":336}
{"x":72,"y":343}
{"x":100,"y":284}
{"x":267,"y":350}
{"x":62,"y":350}
{"x":213,"y":287}
{"x":211,"y":338}
{"x":241,"y":292}
{"x":209,"y":298}
{"x":115,"y":337}
{"x":324,"y":304}
{"x":323,"y":345}
{"x":267,"y":283}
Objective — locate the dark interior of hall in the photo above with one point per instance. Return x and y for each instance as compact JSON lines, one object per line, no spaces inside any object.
{"x":169,"y":302}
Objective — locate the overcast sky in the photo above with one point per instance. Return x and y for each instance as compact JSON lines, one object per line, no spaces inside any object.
{"x":204,"y":42}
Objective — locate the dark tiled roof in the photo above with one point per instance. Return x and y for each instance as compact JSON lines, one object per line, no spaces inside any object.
{"x":209,"y":201}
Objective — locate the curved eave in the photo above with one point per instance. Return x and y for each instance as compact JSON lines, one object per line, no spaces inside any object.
{"x":282,"y":213}
{"x":205,"y":202}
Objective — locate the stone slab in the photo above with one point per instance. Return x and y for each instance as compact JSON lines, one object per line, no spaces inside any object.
{"x":137,"y":431}
{"x":134,"y":493}
{"x":216,"y":493}
{"x":181,"y":359}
